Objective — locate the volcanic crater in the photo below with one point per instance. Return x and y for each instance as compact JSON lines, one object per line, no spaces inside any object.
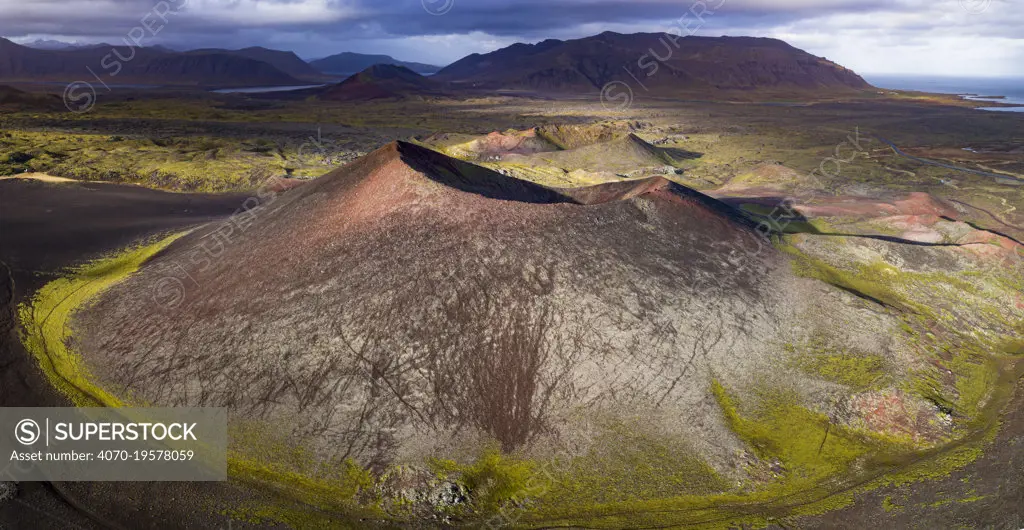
{"x":411,"y":306}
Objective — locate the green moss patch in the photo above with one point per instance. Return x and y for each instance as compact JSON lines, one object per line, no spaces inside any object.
{"x":180,"y":163}
{"x":974,"y":375}
{"x":1013,"y":346}
{"x":857,"y":370}
{"x":853,"y":370}
{"x":628,"y":464}
{"x":46,"y":318}
{"x":872,"y":282}
{"x":806,"y":443}
{"x":495,"y":480}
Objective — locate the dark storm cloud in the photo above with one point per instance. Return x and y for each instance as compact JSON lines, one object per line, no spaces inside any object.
{"x":539,"y":17}
{"x":526,"y":18}
{"x":868,"y":31}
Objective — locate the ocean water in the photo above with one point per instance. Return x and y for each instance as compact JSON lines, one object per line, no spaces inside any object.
{"x":1010,"y":87}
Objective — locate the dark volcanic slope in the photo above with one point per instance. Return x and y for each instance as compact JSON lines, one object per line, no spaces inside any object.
{"x":663,"y":63}
{"x":382,"y":81}
{"x":348,"y":62}
{"x":14,"y":99}
{"x":284,"y":61}
{"x":136,"y":65}
{"x":410,"y":302}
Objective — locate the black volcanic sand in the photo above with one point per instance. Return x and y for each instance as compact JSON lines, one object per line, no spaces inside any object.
{"x":44,"y":228}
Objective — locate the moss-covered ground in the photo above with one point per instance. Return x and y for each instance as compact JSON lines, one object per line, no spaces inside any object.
{"x":182,"y":163}
{"x":857,"y":370}
{"x":46,"y":321}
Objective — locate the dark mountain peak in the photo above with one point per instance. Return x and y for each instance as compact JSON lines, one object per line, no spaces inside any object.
{"x":667,"y":63}
{"x":548,"y":44}
{"x":349,"y":62}
{"x":264,"y":51}
{"x":382,"y":81}
{"x":390,"y":71}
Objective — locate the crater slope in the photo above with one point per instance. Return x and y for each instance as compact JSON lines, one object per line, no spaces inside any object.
{"x":411,"y":299}
{"x":411,"y":308}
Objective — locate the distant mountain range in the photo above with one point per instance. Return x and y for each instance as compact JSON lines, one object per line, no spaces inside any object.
{"x":55,"y":61}
{"x":47,"y":44}
{"x":126,"y":65}
{"x":348,"y":63}
{"x":653,"y":62}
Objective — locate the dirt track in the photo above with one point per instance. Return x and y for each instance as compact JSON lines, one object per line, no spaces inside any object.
{"x":900,"y":152}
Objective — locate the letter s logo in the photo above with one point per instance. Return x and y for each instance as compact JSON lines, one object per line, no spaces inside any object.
{"x":27,"y":432}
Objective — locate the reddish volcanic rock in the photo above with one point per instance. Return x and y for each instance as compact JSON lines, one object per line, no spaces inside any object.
{"x":915,"y":203}
{"x":896,"y":413}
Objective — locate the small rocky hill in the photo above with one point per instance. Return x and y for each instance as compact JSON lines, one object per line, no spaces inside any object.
{"x":382,"y":81}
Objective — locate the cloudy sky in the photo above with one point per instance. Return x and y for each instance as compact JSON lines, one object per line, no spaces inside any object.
{"x":938,"y":37}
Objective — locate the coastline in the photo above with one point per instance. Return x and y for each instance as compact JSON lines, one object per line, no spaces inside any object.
{"x":990,"y":94}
